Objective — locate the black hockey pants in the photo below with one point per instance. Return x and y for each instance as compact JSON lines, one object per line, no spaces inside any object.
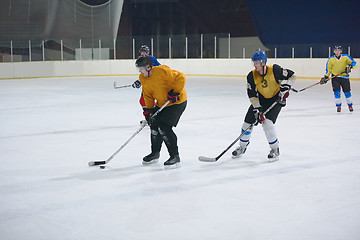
{"x":162,"y":130}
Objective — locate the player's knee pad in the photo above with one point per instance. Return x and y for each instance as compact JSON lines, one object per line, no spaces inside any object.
{"x":337,"y":93}
{"x":164,"y":128}
{"x":269,"y":129}
{"x":154,"y":132}
{"x":268,"y":125}
{"x":347,"y":94}
{"x":167,"y":133}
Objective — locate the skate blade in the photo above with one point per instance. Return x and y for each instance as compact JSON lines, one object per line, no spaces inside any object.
{"x":271,"y":160}
{"x":176,"y":165}
{"x":150,"y":162}
{"x":235,"y":157}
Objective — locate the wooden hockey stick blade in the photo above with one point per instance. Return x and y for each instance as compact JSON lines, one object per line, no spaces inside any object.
{"x":95,"y":163}
{"x":206,"y":159}
{"x":123,"y":86}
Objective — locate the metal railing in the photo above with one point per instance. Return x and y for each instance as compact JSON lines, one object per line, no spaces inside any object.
{"x":177,"y":46}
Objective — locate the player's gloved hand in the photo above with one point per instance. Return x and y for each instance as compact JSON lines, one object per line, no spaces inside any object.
{"x":284,"y":93}
{"x":149,"y":115}
{"x":173,"y":97}
{"x":348,"y":68}
{"x":324,"y":80}
{"x":146,"y":114}
{"x":136,"y":84}
{"x":259,"y":115}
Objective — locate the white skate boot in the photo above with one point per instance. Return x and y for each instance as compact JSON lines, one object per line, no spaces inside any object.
{"x":239,"y":151}
{"x":273,"y":156}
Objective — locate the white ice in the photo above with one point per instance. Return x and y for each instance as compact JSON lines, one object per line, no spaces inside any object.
{"x":51,"y":128}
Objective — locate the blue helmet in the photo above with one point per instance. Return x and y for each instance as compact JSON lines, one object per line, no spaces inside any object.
{"x":259,"y":56}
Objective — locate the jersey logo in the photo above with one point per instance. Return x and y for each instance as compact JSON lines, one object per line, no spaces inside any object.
{"x":248,"y":86}
{"x":285,"y":72}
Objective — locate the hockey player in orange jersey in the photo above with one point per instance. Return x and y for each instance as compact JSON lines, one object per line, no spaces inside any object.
{"x":161,"y":83}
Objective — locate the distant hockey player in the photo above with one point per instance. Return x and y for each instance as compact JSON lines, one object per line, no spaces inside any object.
{"x":266,"y":84}
{"x":336,"y":64}
{"x":161,"y":83}
{"x":144,"y":51}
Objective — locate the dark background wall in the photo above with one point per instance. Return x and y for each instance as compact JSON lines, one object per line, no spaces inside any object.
{"x":303,"y":24}
{"x":174,"y":17}
{"x":280,"y":24}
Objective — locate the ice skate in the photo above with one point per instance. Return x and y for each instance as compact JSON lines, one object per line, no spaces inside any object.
{"x":338,"y":109}
{"x":273,"y":156}
{"x":351,"y":109}
{"x":172,"y":162}
{"x":239,"y":151}
{"x":143,"y":122}
{"x":151,"y":158}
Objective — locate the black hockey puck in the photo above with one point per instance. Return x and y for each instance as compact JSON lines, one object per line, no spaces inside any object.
{"x":102,"y":167}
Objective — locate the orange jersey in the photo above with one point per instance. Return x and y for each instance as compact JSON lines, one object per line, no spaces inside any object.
{"x":161,"y":81}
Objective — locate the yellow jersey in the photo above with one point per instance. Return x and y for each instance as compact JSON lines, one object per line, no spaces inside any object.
{"x":335,"y":66}
{"x":267,"y":86}
{"x":161,"y":81}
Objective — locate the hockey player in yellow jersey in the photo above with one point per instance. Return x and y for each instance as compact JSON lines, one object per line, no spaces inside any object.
{"x":341,"y":65}
{"x":266,"y":85}
{"x":161,"y":83}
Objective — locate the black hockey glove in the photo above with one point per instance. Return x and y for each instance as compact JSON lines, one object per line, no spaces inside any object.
{"x":259,"y":115}
{"x":136,"y":84}
{"x":324,"y":80}
{"x":173,"y":97}
{"x":284,"y":93}
{"x":148,"y":113}
{"x":348,"y":69}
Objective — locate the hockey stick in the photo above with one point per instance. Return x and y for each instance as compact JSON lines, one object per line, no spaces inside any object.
{"x":209,"y":159}
{"x":95,"y":163}
{"x":316,"y":83}
{"x":124,"y":86}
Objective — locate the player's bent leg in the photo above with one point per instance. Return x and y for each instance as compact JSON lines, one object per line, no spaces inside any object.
{"x":349,"y":100}
{"x":271,"y":136}
{"x":156,"y":142}
{"x":244,"y":141}
{"x":170,"y":140}
{"x":337,"y":95}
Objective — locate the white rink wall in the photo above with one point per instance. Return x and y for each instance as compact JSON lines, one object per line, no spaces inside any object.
{"x":304,"y":68}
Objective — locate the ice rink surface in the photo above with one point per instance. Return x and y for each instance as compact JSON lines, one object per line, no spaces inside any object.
{"x":51,"y":128}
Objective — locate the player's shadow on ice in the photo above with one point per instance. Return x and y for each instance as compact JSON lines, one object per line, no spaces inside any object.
{"x":230,"y":163}
{"x":95,"y":173}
